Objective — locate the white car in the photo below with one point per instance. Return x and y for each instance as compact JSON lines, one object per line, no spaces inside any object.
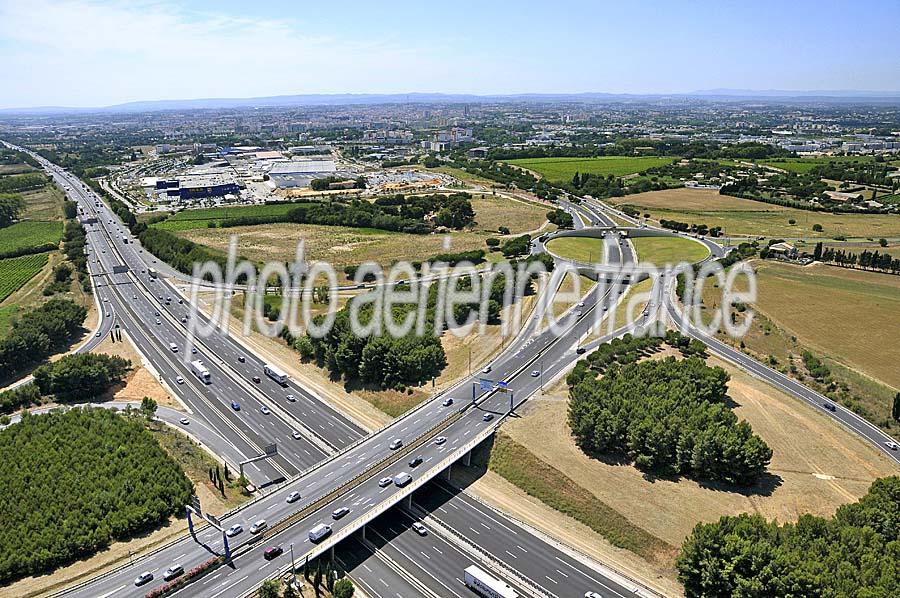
{"x":420,"y":529}
{"x":440,"y":440}
{"x":258,"y":526}
{"x":891,"y":445}
{"x":179,"y":380}
{"x":385,"y":482}
{"x":293,"y":497}
{"x":395,"y":444}
{"x":234,"y":530}
{"x":184,"y":421}
{"x":535,"y":373}
{"x":297,"y":435}
{"x":264,"y":410}
{"x":486,"y":370}
{"x":143,"y":578}
{"x":291,"y":398}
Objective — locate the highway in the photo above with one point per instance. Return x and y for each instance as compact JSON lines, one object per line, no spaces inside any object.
{"x":138,"y":317}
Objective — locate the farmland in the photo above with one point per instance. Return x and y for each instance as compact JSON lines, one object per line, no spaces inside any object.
{"x":804,"y":165}
{"x":668,"y":250}
{"x":29,"y":234}
{"x":739,"y":216}
{"x":561,"y":170}
{"x":203,"y":218}
{"x":16,"y":271}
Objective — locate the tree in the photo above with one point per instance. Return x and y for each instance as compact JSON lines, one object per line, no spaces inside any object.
{"x":492,"y":242}
{"x":895,"y":412}
{"x":148,"y":407}
{"x":289,"y":591}
{"x":343,"y":588}
{"x":817,"y":252}
{"x":269,"y":589}
{"x":817,"y":228}
{"x":883,"y":242}
{"x":791,"y":221}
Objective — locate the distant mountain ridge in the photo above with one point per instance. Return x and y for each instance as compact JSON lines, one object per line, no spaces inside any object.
{"x":344,"y":99}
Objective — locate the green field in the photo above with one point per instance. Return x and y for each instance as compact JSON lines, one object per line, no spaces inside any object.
{"x":804,"y":165}
{"x":7,"y":313}
{"x":561,"y":170}
{"x":16,"y":271}
{"x":580,"y":249}
{"x":191,"y":219}
{"x":29,"y":233}
{"x":668,"y":250}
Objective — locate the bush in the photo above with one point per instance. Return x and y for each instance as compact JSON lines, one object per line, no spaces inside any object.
{"x":40,"y":333}
{"x":17,"y":398}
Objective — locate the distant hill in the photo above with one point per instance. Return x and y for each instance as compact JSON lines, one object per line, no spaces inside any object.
{"x":783,"y":96}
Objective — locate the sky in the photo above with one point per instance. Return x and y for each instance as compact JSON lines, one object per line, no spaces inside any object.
{"x":89,"y":53}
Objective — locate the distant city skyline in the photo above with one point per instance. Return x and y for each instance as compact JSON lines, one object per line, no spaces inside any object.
{"x":95,"y":53}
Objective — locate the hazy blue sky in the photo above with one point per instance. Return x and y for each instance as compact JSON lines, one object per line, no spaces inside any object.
{"x":94,"y":53}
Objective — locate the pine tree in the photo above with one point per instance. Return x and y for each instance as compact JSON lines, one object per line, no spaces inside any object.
{"x":896,"y":410}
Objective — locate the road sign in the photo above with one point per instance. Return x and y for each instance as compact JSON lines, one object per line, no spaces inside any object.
{"x":271,"y":450}
{"x":486,"y":384}
{"x":214,"y":520}
{"x":503,"y":386}
{"x":195,"y":504}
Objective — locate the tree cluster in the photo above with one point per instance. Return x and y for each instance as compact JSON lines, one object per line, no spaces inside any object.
{"x":867,"y":260}
{"x":854,"y":553}
{"x":700,"y":229}
{"x":39,"y":333}
{"x":10,"y":207}
{"x":75,"y":481}
{"x":80,"y":376}
{"x":669,"y":416}
{"x":17,"y":398}
{"x":22,"y":182}
{"x":560,"y":218}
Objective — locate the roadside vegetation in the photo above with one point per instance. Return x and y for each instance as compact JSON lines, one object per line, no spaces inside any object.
{"x":854,"y":553}
{"x":96,"y":475}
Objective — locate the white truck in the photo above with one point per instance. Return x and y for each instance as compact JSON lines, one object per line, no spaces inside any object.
{"x":200,"y":371}
{"x":486,"y":585}
{"x":275,"y":374}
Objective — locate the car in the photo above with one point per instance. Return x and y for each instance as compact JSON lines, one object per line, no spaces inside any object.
{"x":235,"y":405}
{"x":108,"y":315}
{"x":415,"y":461}
{"x":234,"y":530}
{"x":258,"y":526}
{"x":272,"y":552}
{"x":580,"y":350}
{"x":293,"y":497}
{"x":420,"y":529}
{"x":184,"y":421}
{"x":487,"y":417}
{"x":180,"y":301}
{"x":535,"y":373}
{"x":172,"y":572}
{"x":241,"y":359}
{"x":447,"y":402}
{"x":179,"y":380}
{"x":486,"y":370}
{"x":581,"y":304}
{"x":291,"y":398}
{"x":384,"y":482}
{"x":891,"y":445}
{"x":297,"y":435}
{"x":256,"y":379}
{"x":98,"y":335}
{"x":264,"y":410}
{"x":143,"y":578}
{"x":194,"y":350}
{"x":440,"y":440}
{"x":592,"y":595}
{"x":395,"y":444}
{"x":339,"y":512}
{"x":134,"y":296}
{"x":829,"y":406}
{"x":577,"y":313}
{"x":158,"y":322}
{"x":184,"y":319}
{"x":106,"y":300}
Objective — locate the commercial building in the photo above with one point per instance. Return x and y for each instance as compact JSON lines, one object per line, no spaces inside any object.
{"x":300,"y":173}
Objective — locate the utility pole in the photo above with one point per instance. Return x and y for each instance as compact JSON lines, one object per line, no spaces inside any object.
{"x":293,"y":567}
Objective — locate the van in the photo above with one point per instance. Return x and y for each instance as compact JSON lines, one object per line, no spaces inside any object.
{"x":402,"y":479}
{"x":173,"y":347}
{"x":319,"y":532}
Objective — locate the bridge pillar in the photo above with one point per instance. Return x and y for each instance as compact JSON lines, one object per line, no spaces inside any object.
{"x":468,"y":459}
{"x":409,"y":501}
{"x":449,"y":469}
{"x":363,"y":532}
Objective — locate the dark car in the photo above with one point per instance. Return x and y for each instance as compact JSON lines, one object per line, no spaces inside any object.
{"x":241,"y":359}
{"x":235,"y":405}
{"x":272,"y":552}
{"x":829,"y":406}
{"x":579,"y":350}
{"x":415,"y":461}
{"x":447,"y":402}
{"x":256,"y":379}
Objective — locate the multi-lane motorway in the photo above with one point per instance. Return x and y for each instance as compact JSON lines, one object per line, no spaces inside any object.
{"x":326,"y":458}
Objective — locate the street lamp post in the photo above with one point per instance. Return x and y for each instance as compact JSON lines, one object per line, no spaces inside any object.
{"x":293,"y":567}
